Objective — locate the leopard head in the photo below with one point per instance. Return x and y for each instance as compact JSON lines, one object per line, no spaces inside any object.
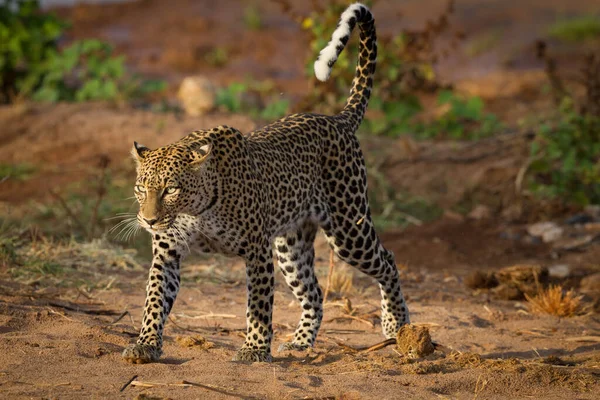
{"x":172,"y":180}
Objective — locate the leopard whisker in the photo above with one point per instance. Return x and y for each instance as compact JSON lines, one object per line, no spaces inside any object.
{"x":121,"y":223}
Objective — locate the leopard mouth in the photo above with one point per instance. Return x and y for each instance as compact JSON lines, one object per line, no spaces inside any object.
{"x":157,"y":226}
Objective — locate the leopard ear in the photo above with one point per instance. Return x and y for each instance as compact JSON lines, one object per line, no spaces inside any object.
{"x":138,"y":152}
{"x":199,"y":154}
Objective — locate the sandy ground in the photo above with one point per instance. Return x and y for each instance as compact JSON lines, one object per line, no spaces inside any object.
{"x":59,"y":340}
{"x":493,"y":349}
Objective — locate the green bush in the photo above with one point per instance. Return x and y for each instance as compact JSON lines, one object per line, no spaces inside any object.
{"x":27,"y":38}
{"x":576,"y":29}
{"x":233,"y":98}
{"x":33,"y":66}
{"x":566,"y":158}
{"x":405,"y":68}
{"x":464,"y":119}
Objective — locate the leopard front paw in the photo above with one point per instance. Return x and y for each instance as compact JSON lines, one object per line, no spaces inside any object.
{"x":252,"y":355}
{"x":291,"y":346}
{"x":141,"y":353}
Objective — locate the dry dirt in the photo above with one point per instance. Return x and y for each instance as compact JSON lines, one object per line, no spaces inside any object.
{"x":54,"y":344}
{"x":58,"y":340}
{"x":55,"y":341}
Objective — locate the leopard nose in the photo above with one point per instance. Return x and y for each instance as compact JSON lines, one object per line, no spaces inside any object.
{"x":150,"y":221}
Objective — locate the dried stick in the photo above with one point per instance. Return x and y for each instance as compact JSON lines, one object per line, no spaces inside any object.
{"x":83,"y":310}
{"x":379,"y":346}
{"x":128,"y":383}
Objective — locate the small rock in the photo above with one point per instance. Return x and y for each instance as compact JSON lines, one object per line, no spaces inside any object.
{"x":548,"y":231}
{"x":539,"y":228}
{"x":559,"y":271}
{"x":573,"y":243}
{"x":593,"y":210}
{"x":591,"y":284}
{"x":579,"y":219}
{"x":510,"y":235}
{"x":197,"y":95}
{"x":592,"y":227}
{"x":414,"y":341}
{"x":552,"y":234}
{"x":480,"y":212}
{"x":453,"y":215}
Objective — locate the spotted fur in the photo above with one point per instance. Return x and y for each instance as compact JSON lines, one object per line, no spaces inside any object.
{"x":267,"y":192}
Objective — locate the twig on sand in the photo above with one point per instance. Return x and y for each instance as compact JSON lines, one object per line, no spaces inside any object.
{"x":379,"y":346}
{"x":343,"y":345}
{"x":584,"y":339}
{"x":354,"y":317}
{"x":76,"y":308}
{"x":153,"y":384}
{"x":329,"y":276}
{"x":61,"y":315}
{"x":207,"y":316}
{"x":214,"y":388}
{"x":128,"y":383}
{"x":120,"y":317}
{"x":375,"y":347}
{"x":345,"y":331}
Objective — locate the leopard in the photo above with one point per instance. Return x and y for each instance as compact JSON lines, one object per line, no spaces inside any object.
{"x":263,"y":196}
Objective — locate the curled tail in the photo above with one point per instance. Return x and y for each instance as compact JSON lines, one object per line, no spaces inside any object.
{"x":356,"y":105}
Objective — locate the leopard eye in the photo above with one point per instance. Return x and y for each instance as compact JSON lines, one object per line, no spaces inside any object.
{"x":171,"y":190}
{"x":140,"y":189}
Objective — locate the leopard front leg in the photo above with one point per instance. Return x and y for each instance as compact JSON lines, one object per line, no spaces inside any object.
{"x":161,"y":291}
{"x":261,"y":283}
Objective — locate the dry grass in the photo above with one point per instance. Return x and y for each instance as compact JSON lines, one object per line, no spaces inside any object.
{"x":41,"y":260}
{"x":555,"y":301}
{"x":196,"y":341}
{"x":341,"y":282}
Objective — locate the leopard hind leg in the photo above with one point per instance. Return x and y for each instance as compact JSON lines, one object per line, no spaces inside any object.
{"x":296,"y":255}
{"x":352,"y":237}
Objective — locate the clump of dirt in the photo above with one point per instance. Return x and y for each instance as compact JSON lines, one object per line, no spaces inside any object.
{"x":414,"y":341}
{"x":510,"y":283}
{"x":196,"y":341}
{"x":465,"y":360}
{"x":481,"y":280}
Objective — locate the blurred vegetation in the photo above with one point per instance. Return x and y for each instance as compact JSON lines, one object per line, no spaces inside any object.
{"x":249,"y":98}
{"x":19,"y":172}
{"x":483,"y":43}
{"x":32,"y":64}
{"x":405,"y":70}
{"x":576,"y":29}
{"x":565,"y":155}
{"x":217,"y":57}
{"x":253,"y":17}
{"x":101,"y":206}
{"x":458,"y":118}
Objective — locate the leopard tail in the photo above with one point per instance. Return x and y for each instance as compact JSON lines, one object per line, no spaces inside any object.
{"x":357,"y":102}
